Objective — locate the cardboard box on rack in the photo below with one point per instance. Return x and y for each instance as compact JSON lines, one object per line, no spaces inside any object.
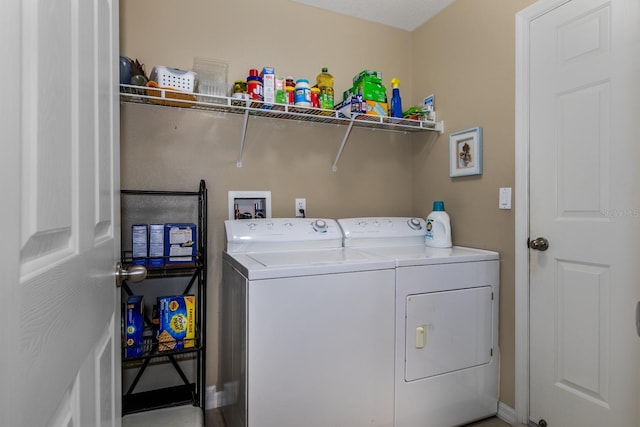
{"x":375,"y":108}
{"x":179,"y":244}
{"x":355,"y":105}
{"x":156,"y":245}
{"x":176,"y":322}
{"x":352,"y":104}
{"x":133,"y":327}
{"x":366,"y":73}
{"x":139,"y":244}
{"x":371,"y":89}
{"x":268,"y":85}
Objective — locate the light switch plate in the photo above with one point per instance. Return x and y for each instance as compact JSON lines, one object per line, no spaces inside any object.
{"x":505,"y":198}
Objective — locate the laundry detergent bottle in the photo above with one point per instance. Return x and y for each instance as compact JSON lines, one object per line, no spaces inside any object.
{"x":438,"y":234}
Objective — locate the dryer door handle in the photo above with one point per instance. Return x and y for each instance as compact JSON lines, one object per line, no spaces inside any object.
{"x":421,"y":336}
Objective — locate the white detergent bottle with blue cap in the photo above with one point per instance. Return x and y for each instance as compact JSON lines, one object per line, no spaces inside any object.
{"x":438,"y":227}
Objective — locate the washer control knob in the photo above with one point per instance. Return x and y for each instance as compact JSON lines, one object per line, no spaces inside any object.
{"x":320,"y":226}
{"x":414,"y":224}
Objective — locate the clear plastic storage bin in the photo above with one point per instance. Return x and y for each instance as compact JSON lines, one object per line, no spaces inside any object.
{"x":211,"y":76}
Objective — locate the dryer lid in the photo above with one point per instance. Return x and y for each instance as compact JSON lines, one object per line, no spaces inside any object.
{"x":382,"y":231}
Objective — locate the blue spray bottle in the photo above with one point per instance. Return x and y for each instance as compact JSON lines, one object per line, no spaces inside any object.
{"x":396,"y":101}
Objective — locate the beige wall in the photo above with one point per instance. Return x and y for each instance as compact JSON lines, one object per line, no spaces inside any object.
{"x":465,"y":56}
{"x":295,"y":39}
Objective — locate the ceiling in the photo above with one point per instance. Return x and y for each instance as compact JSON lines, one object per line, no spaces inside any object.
{"x":402,"y":14}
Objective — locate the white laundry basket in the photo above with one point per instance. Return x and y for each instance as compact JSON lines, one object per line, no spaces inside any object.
{"x":174,"y":77}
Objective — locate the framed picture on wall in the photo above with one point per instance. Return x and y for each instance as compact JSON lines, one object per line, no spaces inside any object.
{"x":465,"y":152}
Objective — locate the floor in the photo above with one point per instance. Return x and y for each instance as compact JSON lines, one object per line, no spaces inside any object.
{"x":214,"y":419}
{"x":491,"y":422}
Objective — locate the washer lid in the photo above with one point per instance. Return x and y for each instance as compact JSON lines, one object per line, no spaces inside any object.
{"x":312,"y":257}
{"x":382,"y":231}
{"x":269,"y":265}
{"x":280,"y":234}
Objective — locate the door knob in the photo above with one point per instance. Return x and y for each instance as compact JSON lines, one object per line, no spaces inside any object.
{"x":133,"y":273}
{"x":539,"y":244}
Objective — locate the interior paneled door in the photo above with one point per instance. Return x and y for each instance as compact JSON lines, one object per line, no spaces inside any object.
{"x":585,"y":200}
{"x":60,"y":213}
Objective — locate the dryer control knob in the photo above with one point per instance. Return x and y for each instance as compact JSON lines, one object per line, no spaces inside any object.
{"x":320,"y":226}
{"x":414,"y":223}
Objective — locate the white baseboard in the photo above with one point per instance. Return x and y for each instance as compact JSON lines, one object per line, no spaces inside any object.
{"x":506,"y":414}
{"x":210,"y":397}
{"x":214,"y":398}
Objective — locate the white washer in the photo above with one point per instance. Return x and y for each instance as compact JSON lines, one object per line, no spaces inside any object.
{"x":308,"y":327}
{"x":446,"y":345}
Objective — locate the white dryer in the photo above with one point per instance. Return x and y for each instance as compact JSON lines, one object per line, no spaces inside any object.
{"x":308,"y":327}
{"x":446,"y":346}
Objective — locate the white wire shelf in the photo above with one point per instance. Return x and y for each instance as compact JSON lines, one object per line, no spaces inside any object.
{"x":197,"y":101}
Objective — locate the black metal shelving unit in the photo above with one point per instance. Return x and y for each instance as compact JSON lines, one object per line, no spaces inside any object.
{"x":186,"y":388}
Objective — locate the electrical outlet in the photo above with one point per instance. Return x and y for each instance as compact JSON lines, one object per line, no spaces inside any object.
{"x":301,"y":205}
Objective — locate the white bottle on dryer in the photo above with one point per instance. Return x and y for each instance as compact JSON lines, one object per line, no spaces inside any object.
{"x":438,"y":227}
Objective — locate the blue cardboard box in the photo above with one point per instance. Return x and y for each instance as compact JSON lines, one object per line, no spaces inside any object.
{"x":134,"y":325}
{"x":139,"y":244}
{"x":179,"y":244}
{"x":156,"y":245}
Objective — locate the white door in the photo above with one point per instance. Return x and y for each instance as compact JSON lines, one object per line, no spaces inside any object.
{"x":59,"y":328}
{"x":585,"y":199}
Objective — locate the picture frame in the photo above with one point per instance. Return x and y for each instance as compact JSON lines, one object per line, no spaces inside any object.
{"x":465,"y":152}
